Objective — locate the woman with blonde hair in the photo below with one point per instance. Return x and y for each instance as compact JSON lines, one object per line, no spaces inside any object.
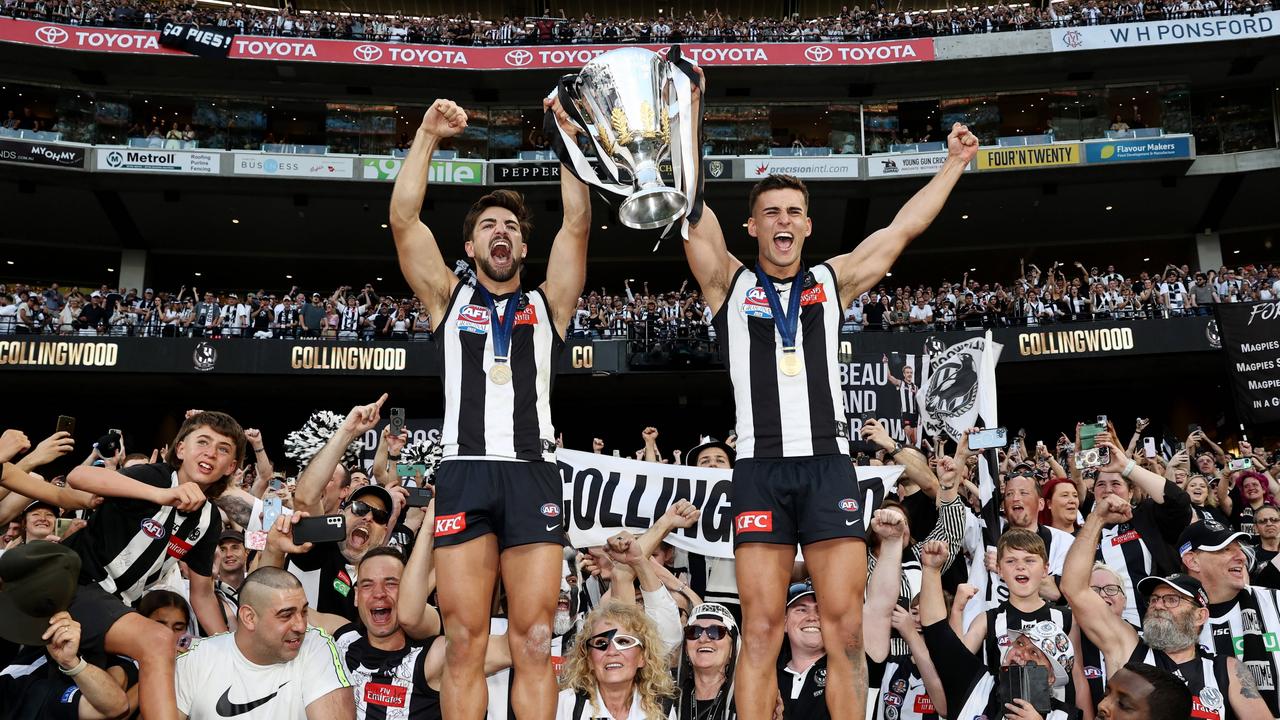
{"x":617,"y":668}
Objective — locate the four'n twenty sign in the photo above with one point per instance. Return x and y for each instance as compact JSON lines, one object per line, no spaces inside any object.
{"x":1251,"y":338}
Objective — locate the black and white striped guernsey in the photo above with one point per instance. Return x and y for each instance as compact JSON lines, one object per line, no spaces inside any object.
{"x":483,"y":419}
{"x":780,"y":416}
{"x":388,"y":684}
{"x":1206,"y":677}
{"x":1005,"y":617}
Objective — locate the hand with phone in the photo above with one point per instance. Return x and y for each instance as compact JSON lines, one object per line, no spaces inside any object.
{"x":322,"y":528}
{"x":282,"y":536}
{"x":873,"y":432}
{"x":51,"y":448}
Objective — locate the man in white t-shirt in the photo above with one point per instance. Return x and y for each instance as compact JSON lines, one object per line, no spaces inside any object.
{"x":921,"y":313}
{"x":273,"y":667}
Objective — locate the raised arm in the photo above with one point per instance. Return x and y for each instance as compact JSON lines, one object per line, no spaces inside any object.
{"x":309,"y":494}
{"x":420,"y":260}
{"x":885,"y":584}
{"x":567,"y":265}
{"x":706,"y":251}
{"x":261,"y":462}
{"x":418,"y":618}
{"x":861,"y":268}
{"x":1112,"y":635}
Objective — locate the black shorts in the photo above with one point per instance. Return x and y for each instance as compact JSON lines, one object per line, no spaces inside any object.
{"x":790,"y":501}
{"x":520,"y":502}
{"x":96,"y":610}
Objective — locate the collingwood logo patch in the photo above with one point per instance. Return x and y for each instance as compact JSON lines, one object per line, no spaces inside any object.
{"x":1211,"y":334}
{"x":952,"y":388}
{"x":205,"y":357}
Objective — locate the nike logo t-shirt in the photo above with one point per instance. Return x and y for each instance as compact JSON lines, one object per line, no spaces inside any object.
{"x":216,"y":682}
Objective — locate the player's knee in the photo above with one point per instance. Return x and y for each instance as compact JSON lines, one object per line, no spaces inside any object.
{"x":464,"y":643}
{"x":761,"y":633}
{"x":532,"y":646}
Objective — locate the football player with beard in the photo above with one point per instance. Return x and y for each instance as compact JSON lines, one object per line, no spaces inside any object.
{"x":1177,"y":609}
{"x":498,"y":489}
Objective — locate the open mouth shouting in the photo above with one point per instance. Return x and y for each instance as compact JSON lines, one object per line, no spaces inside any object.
{"x":359,"y":537}
{"x":380,"y":614}
{"x":1022,"y":579}
{"x":500,"y":251}
{"x":783,"y":241}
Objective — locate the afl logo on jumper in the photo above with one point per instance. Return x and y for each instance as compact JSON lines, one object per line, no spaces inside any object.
{"x":849,"y":505}
{"x":473,"y":319}
{"x":153,"y":529}
{"x":551,"y":510}
{"x":756,"y":304}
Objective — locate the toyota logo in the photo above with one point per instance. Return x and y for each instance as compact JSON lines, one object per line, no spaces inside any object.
{"x":818,"y":53}
{"x":519,"y":58}
{"x":367,"y":53}
{"x":50,"y":35}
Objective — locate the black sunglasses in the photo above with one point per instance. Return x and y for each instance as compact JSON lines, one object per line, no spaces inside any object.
{"x":359,"y":508}
{"x":713,"y":632}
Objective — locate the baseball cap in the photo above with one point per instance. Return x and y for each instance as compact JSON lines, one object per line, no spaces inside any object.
{"x":706,"y":442}
{"x":377,"y":490}
{"x":233,"y":535}
{"x":42,"y":504}
{"x":39,"y":580}
{"x":1199,"y":536}
{"x":1182,"y":583}
{"x":713,"y":611}
{"x":797,"y":591}
{"x":1051,"y":641}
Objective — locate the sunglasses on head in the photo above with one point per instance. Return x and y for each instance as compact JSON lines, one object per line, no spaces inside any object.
{"x":713,"y":632}
{"x":620,"y":642}
{"x":359,"y":508}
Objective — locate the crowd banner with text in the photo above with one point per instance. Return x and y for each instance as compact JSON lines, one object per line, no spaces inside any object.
{"x":604,"y":494}
{"x":1251,"y":338}
{"x":209,"y":41}
{"x":441,"y":172}
{"x":351,"y":52}
{"x":882,"y":386}
{"x":1032,"y":156}
{"x":42,"y":153}
{"x":1167,"y":32}
{"x":293,"y":166}
{"x":180,"y":162}
{"x":1167,"y":147}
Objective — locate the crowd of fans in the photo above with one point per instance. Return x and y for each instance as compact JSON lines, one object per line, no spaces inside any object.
{"x":651,"y":319}
{"x":875,"y":22}
{"x":1064,"y":595}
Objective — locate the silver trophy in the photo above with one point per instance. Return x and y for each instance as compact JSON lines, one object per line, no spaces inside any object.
{"x":626,"y":101}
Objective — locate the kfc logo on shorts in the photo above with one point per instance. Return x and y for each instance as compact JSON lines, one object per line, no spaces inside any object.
{"x":451,"y":524}
{"x":754,"y":522}
{"x":551,"y":510}
{"x":849,"y":505}
{"x":153,"y":529}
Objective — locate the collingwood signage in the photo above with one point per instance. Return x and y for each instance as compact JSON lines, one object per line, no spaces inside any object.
{"x":338,"y":357}
{"x":59,"y":353}
{"x":158,"y":161}
{"x":1075,"y":342}
{"x":39,"y":153}
{"x":1251,"y":338}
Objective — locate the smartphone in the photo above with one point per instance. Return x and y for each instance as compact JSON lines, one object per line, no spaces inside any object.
{"x":1149,"y":446}
{"x":410,"y":469}
{"x":1240,"y":464}
{"x":270,"y":511}
{"x":419,"y":497}
{"x":66,"y":424}
{"x":397,"y":420}
{"x":62,"y":525}
{"x":1193,"y":428}
{"x":1102,"y":420}
{"x":1090,"y":454}
{"x":1026,"y":682}
{"x":323,"y":528}
{"x":989,"y":438}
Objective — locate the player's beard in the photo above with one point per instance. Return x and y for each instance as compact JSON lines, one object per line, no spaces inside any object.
{"x":1169,"y":632}
{"x":500,"y":275}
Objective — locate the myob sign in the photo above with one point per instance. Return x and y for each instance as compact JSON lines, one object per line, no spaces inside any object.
{"x":156,"y":160}
{"x":456,"y":172}
{"x":1029,"y":157}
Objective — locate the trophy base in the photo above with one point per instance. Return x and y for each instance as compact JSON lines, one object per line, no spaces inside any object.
{"x":652,"y":208}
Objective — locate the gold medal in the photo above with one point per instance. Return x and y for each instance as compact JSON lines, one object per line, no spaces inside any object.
{"x":790,"y":364}
{"x":500,"y":373}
